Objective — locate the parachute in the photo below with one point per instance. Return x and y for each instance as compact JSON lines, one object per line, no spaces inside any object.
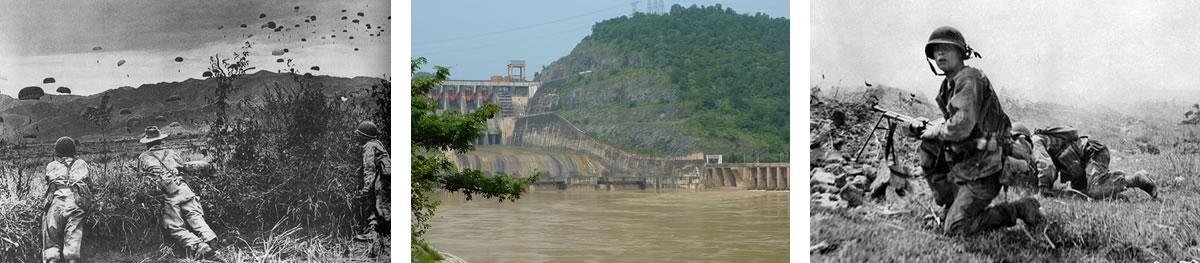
{"x":31,"y":93}
{"x":178,"y":59}
{"x":261,"y":16}
{"x":206,"y":74}
{"x":355,"y":49}
{"x":47,"y":80}
{"x":306,"y":75}
{"x":286,"y":50}
{"x":317,"y":68}
{"x":122,"y":62}
{"x":297,"y":8}
{"x":160,"y":118}
{"x":343,"y":18}
{"x":64,"y":90}
{"x":303,"y":40}
{"x":126,"y":111}
{"x":354,"y":21}
{"x":313,"y":18}
{"x":270,"y":25}
{"x":279,"y":60}
{"x":277,"y":52}
{"x":174,"y":98}
{"x":343,"y":10}
{"x":344,"y":31}
{"x":133,"y":121}
{"x":360,"y":13}
{"x":351,"y":37}
{"x":175,"y":124}
{"x":243,"y":25}
{"x":220,"y":27}
{"x":97,"y":48}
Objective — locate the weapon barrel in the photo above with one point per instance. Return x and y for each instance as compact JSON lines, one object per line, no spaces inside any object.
{"x":895,"y":115}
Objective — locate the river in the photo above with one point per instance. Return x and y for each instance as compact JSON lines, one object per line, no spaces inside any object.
{"x":615,"y":226}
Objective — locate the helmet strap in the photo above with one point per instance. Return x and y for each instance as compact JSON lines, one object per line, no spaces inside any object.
{"x":931,"y":68}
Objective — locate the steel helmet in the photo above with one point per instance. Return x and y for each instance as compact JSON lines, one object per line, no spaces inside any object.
{"x":949,"y":35}
{"x":64,"y":147}
{"x":367,"y":129}
{"x":1020,"y":128}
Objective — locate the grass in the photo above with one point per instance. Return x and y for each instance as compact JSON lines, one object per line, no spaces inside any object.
{"x":1133,"y":228}
{"x":277,"y":197}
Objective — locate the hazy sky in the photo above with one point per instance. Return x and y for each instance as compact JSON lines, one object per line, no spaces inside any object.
{"x":54,"y":38}
{"x":1061,"y":51}
{"x":477,"y":38}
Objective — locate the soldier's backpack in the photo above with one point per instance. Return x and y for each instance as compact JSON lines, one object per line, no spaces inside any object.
{"x":1058,"y":139}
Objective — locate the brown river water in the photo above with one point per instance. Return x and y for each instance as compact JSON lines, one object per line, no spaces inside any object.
{"x":615,"y":226}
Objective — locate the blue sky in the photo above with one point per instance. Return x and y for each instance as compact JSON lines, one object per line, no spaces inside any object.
{"x":55,"y":38}
{"x":477,"y":38}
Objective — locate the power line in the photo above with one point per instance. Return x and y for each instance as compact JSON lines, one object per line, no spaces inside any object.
{"x":502,"y":43}
{"x":515,"y":28}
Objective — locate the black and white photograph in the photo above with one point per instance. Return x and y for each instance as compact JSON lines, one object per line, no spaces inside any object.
{"x":1004,"y":131}
{"x":195,"y":131}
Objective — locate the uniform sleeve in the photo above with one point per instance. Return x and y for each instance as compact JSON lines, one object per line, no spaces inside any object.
{"x":368,"y":167}
{"x":1045,"y":165}
{"x":964,"y":111}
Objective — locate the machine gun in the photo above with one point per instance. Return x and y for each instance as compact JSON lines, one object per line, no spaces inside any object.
{"x":892,"y":118}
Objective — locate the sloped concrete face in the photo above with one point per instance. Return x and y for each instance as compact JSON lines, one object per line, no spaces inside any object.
{"x":551,"y":131}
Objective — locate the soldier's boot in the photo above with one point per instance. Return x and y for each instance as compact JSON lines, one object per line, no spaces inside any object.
{"x":203,"y":251}
{"x":1029,"y":210}
{"x":1139,"y":180}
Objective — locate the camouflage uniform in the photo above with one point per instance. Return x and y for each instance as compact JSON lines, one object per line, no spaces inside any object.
{"x":1084,"y":165}
{"x":61,"y":225}
{"x":181,"y":210}
{"x":964,"y":178}
{"x":376,"y":183}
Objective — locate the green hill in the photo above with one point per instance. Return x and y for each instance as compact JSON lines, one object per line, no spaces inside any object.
{"x":695,"y":79}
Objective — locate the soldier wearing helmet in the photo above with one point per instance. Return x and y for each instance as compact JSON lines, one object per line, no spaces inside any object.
{"x":68,"y":197}
{"x":1082,"y":162}
{"x":376,"y":189}
{"x":181,"y":216}
{"x":963,"y":154}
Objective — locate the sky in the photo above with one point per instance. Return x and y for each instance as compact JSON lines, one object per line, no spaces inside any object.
{"x":477,"y":38}
{"x":1070,"y":52}
{"x":55,"y":38}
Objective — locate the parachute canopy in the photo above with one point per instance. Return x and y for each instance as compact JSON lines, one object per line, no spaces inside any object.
{"x":303,"y":40}
{"x":47,"y":80}
{"x":175,"y":98}
{"x":354,"y":21}
{"x":126,"y":111}
{"x":31,"y":93}
{"x":243,"y":25}
{"x":178,"y":59}
{"x":360,"y":13}
{"x":279,"y":60}
{"x":317,"y":68}
{"x":270,"y":25}
{"x":286,"y":50}
{"x":65,"y":90}
{"x":97,"y":48}
{"x":277,"y":52}
{"x":122,"y":62}
{"x":313,"y":18}
{"x":206,"y":74}
{"x":133,"y":121}
{"x":343,"y":18}
{"x":175,"y":124}
{"x":160,"y":118}
{"x":220,"y":27}
{"x":262,"y":15}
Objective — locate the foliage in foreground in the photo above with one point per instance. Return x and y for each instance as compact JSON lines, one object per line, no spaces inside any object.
{"x":433,"y":133}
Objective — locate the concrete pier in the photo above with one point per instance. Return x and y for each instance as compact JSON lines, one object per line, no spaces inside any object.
{"x":746,"y":176}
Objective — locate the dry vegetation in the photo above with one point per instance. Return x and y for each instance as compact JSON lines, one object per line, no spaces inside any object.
{"x":283,"y":191}
{"x":1133,"y":228}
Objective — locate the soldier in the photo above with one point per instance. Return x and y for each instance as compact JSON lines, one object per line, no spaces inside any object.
{"x":1083,"y":162}
{"x":963,"y":154}
{"x":68,"y":197}
{"x":182,"y":217}
{"x":376,"y":187}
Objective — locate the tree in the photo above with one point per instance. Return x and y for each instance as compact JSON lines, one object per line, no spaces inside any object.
{"x":452,"y":131}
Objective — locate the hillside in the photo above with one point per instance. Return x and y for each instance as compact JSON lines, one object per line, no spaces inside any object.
{"x":695,"y":79}
{"x":61,"y":115}
{"x":1129,"y":228}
